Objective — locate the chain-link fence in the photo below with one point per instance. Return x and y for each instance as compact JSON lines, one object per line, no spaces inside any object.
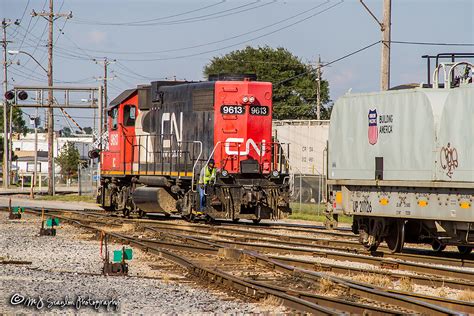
{"x":306,"y":157}
{"x":88,"y":180}
{"x":308,"y":193}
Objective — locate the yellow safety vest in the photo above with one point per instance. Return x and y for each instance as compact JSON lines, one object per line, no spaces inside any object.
{"x":207,"y":175}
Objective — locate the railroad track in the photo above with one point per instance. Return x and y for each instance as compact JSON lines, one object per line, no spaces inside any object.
{"x":457,"y":305}
{"x":376,"y":300}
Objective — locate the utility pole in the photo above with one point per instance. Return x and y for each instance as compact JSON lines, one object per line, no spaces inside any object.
{"x":35,"y":170}
{"x":51,"y":17}
{"x":386,"y":38}
{"x":318,"y":90}
{"x":6,"y":177}
{"x":105,"y":62}
{"x":385,"y":27}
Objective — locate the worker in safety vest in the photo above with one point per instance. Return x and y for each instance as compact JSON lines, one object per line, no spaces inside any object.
{"x":207,"y":175}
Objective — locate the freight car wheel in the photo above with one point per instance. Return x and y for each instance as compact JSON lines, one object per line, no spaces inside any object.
{"x":464,"y":250}
{"x":396,"y":237}
{"x":126,"y":212}
{"x":437,"y":245}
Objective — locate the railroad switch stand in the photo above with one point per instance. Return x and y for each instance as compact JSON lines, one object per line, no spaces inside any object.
{"x":118,"y":266}
{"x":50,"y":224}
{"x":15,"y":212}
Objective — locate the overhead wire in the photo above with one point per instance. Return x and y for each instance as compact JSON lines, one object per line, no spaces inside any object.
{"x":432,"y":43}
{"x":85,"y":21}
{"x":187,"y":20}
{"x":330,"y":63}
{"x":15,"y":31}
{"x":214,"y":16}
{"x":217,"y":41}
{"x":242,"y":42}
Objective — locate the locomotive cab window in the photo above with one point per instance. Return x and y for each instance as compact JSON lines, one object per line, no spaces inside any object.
{"x":129,"y":115}
{"x":114,"y":116}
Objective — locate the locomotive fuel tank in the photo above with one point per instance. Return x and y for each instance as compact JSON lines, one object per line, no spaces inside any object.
{"x":154,"y":199}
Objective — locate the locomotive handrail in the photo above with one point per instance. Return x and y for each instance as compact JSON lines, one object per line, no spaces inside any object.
{"x":447,"y":73}
{"x":195,"y":163}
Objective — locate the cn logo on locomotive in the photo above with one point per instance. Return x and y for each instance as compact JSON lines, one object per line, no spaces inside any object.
{"x":174,"y":128}
{"x":250,"y":142}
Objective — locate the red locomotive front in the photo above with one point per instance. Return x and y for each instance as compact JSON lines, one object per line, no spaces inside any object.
{"x":161,"y":136}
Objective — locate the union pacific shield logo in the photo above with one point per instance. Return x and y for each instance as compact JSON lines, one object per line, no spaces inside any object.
{"x":373,"y":130}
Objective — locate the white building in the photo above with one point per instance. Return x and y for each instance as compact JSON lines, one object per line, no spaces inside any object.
{"x":24,"y":148}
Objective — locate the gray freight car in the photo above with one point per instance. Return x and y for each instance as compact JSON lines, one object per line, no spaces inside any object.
{"x":305,"y":156}
{"x":402,"y":163}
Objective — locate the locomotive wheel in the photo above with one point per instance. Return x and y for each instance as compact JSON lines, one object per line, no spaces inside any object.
{"x":126,"y":212}
{"x":464,"y":250}
{"x":189,"y":217}
{"x":235,"y":220}
{"x":256,"y":220}
{"x":396,"y":238}
{"x":209,"y":220}
{"x":141,"y":213}
{"x":437,"y":245}
{"x":372,"y":247}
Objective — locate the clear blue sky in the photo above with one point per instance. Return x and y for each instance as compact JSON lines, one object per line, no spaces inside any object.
{"x":181,"y":36}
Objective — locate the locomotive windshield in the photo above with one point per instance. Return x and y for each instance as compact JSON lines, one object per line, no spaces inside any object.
{"x":114,"y":115}
{"x":129,"y":114}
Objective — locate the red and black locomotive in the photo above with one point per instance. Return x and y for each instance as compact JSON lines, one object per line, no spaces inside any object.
{"x":161,"y":135}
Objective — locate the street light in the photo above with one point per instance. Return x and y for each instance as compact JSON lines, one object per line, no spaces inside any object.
{"x":36,"y":121}
{"x":17,"y":52}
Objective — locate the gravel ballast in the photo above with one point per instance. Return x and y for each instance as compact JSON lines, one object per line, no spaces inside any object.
{"x":64,"y":267}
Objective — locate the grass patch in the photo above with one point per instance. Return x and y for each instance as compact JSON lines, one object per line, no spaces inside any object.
{"x":67,"y":198}
{"x":466,"y":295}
{"x":313,"y":212}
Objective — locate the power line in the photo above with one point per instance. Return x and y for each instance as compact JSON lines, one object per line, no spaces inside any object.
{"x":432,"y":43}
{"x":243,"y":42}
{"x":214,"y":16}
{"x":214,"y":42}
{"x":330,"y":63}
{"x":187,"y":20}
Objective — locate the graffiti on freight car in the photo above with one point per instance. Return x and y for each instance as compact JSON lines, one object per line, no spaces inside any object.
{"x":449,"y":159}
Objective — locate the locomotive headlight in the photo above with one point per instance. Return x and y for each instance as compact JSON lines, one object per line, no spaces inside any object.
{"x":251,"y":99}
{"x":245,"y":99}
{"x":224,"y":173}
{"x":275,"y":174}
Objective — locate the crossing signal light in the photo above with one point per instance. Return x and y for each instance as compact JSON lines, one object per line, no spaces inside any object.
{"x":10,"y":95}
{"x":22,"y":95}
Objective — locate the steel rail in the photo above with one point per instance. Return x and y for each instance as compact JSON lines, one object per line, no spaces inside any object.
{"x":254,"y":290}
{"x":213,"y":275}
{"x":383,"y":263}
{"x":325,"y":244}
{"x":457,"y":305}
{"x":344,"y":269}
{"x":314,"y":242}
